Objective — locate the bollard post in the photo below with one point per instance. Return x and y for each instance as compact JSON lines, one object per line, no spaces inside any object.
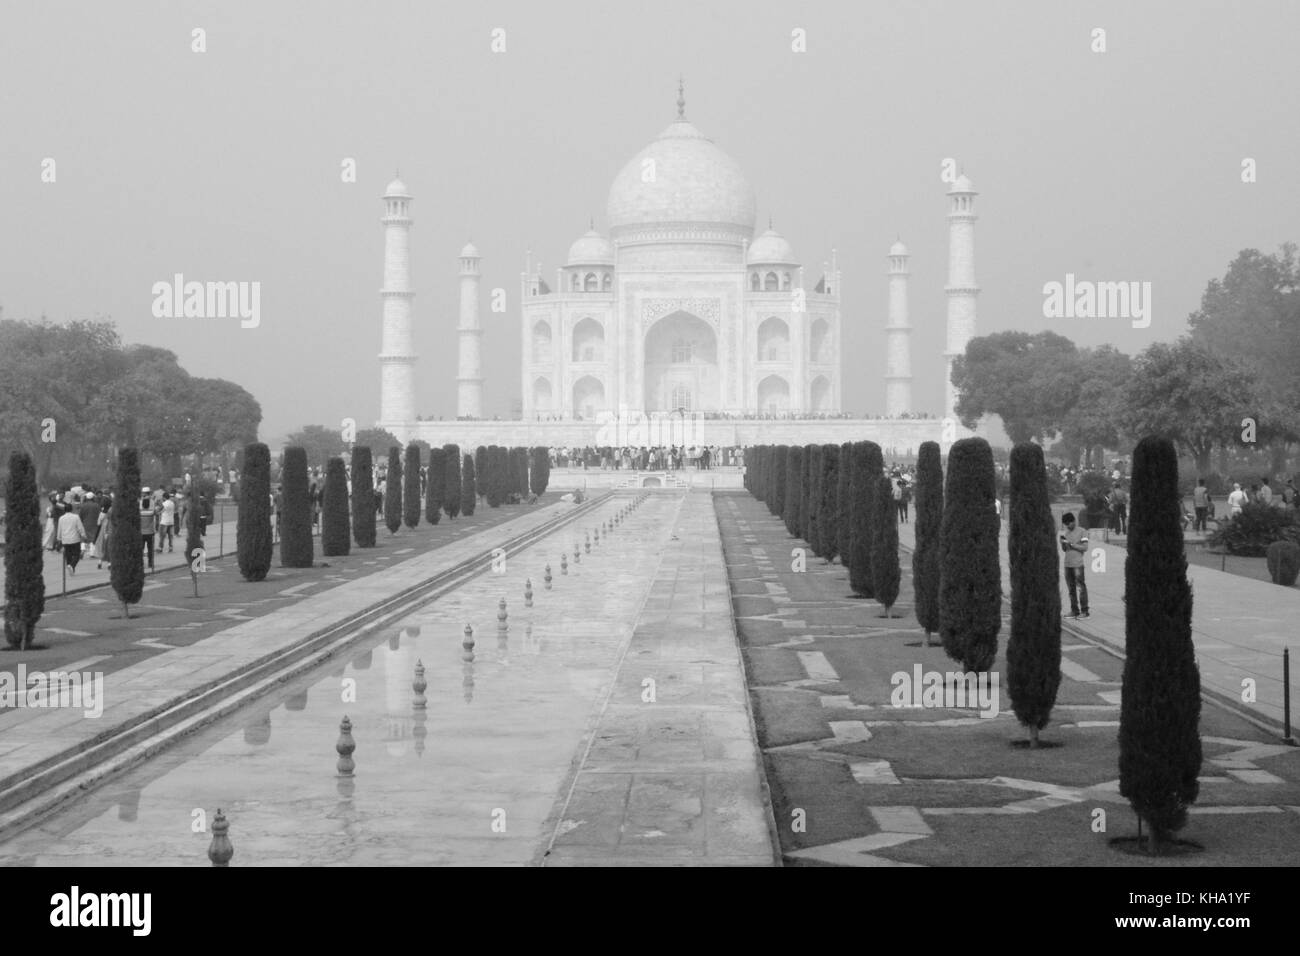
{"x":564,"y":563}
{"x":547,"y":579}
{"x":528,"y":592}
{"x":221,"y":532}
{"x":1286,"y":697}
{"x":419,"y":685}
{"x":220,"y":850}
{"x":502,"y":626}
{"x":345,"y":746}
{"x":63,"y":563}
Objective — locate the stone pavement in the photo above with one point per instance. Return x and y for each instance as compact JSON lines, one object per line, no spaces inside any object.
{"x":1239,"y":626}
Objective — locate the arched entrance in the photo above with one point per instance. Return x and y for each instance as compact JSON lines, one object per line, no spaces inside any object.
{"x":588,"y":397}
{"x":681,"y":365}
{"x":773,"y":394}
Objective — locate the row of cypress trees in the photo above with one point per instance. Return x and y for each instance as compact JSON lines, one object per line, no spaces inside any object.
{"x":957,"y":587}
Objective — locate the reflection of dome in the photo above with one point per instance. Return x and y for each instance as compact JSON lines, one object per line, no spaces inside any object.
{"x":771,"y":248}
{"x":898,"y":249}
{"x":396,"y":188}
{"x":691,"y":181}
{"x":592,"y":249}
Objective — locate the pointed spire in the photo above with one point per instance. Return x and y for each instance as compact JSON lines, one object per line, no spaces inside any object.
{"x":769,"y":222}
{"x":681,"y":98}
{"x":591,"y":223}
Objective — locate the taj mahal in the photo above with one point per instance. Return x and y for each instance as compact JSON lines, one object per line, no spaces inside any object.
{"x":678,"y":312}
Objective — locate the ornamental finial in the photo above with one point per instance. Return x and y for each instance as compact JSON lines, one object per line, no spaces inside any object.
{"x":681,"y":98}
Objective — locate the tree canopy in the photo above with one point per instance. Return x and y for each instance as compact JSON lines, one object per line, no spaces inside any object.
{"x":1030,"y":381}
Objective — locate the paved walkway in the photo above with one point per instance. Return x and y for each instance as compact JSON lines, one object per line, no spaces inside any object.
{"x":1239,"y":626}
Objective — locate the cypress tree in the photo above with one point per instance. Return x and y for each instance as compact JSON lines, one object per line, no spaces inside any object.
{"x":808,"y":505}
{"x":970,"y":582}
{"x":793,"y":489}
{"x":411,"y":487}
{"x":393,"y":490}
{"x":866,"y":468}
{"x":468,"y":492}
{"x":451,"y":484}
{"x":1160,"y":704}
{"x":755,"y":461}
{"x":844,"y":506}
{"x":296,"y":549}
{"x":780,"y":473}
{"x":193,"y":532}
{"x":480,"y":470}
{"x":813,"y":499}
{"x":524,"y":478}
{"x":828,"y":512}
{"x":884,"y":546}
{"x":435,"y":489}
{"x":335,"y":535}
{"x":254,"y":523}
{"x":24,"y":553}
{"x":363,"y":497}
{"x":925,"y":556}
{"x":490,"y":473}
{"x":1034,"y":645}
{"x":541,"y":476}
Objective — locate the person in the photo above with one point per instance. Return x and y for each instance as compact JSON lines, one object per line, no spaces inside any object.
{"x":90,"y":521}
{"x":148,"y":524}
{"x":71,"y":534}
{"x":1119,"y":508}
{"x":53,"y":511}
{"x":1237,"y":500}
{"x":1265,"y":492}
{"x":1290,"y":494}
{"x":577,"y":496}
{"x":276,"y":500}
{"x":1201,"y":503}
{"x":106,"y":532}
{"x":1074,"y":542}
{"x":167,"y":522}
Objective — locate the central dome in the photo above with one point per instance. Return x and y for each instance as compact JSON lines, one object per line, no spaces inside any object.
{"x":691,"y":181}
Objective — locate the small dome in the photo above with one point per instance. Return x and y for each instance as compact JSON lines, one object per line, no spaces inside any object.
{"x":469,"y":252}
{"x":898,"y":249}
{"x":591,"y":249}
{"x":771,"y":248}
{"x":962,"y":185}
{"x":396,"y":188}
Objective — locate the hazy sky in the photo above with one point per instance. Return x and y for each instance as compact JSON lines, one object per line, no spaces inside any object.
{"x":225,"y":165}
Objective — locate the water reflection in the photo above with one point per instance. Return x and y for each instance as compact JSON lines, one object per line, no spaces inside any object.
{"x":362,"y":661}
{"x":128,"y":808}
{"x":258,"y":732}
{"x":297,"y":702}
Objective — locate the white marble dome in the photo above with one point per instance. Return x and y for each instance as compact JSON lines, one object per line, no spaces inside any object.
{"x":898,"y":249}
{"x":470,"y":251}
{"x":591,"y":249}
{"x":694,"y":182}
{"x":962,"y":185}
{"x":396,"y":188}
{"x":771,"y":248}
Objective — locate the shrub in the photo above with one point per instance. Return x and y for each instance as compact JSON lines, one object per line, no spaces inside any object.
{"x":867,"y":464}
{"x":884,"y":545}
{"x":254,"y":523}
{"x":828,"y":509}
{"x":541,"y":475}
{"x":1160,"y":702}
{"x":411,"y":487}
{"x":803,"y":517}
{"x":970,"y":581}
{"x":393,"y":490}
{"x":489,"y":476}
{"x":24,"y":553}
{"x":925,"y":557}
{"x":521,"y":472}
{"x":363,"y":496}
{"x":480,"y":470}
{"x":780,"y":477}
{"x":1094,"y":488}
{"x":295,"y":529}
{"x":793,"y":489}
{"x":813,"y":498}
{"x":193,"y":523}
{"x":335,"y":535}
{"x":1283,"y":562}
{"x":451,"y":480}
{"x":1254,"y":529}
{"x":435,"y":489}
{"x":468,"y":491}
{"x":844,"y":506}
{"x":1034,"y":646}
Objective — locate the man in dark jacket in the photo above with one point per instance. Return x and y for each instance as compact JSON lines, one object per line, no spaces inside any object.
{"x":89,"y":514}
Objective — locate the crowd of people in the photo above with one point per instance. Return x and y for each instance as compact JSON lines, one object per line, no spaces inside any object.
{"x":652,"y":458}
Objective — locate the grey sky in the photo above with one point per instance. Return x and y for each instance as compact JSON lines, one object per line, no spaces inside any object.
{"x":226,"y":165}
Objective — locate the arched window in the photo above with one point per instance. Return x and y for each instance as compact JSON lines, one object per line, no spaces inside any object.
{"x":785,"y":280}
{"x":681,"y":351}
{"x":681,"y":397}
{"x":606,"y":282}
{"x":575,"y":283}
{"x":591,"y":283}
{"x":753,"y":282}
{"x":770,"y":283}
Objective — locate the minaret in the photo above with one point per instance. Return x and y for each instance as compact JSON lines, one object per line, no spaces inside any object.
{"x":469,"y":377}
{"x":898,"y":337}
{"x":961,"y":287}
{"x":397,"y":357}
